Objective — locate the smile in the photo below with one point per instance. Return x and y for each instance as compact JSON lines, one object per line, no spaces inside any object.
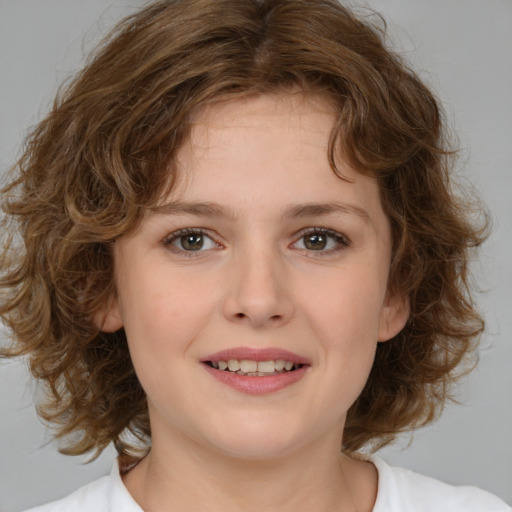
{"x":256,"y":371}
{"x":255,"y":368}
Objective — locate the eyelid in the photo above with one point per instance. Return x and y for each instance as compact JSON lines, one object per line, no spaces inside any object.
{"x":171,"y":237}
{"x":342,"y":240}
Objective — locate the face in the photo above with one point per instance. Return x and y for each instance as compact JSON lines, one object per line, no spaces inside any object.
{"x":261,"y":258}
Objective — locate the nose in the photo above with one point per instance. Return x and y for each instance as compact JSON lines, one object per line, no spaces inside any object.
{"x":258,"y":293}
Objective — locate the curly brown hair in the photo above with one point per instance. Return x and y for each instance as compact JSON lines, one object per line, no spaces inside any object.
{"x":105,"y":154}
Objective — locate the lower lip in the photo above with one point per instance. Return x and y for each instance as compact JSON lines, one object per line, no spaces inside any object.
{"x":254,"y":385}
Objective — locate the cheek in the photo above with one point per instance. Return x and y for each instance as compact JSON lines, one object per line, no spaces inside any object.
{"x":345,"y":321}
{"x":345,"y":311}
{"x":164,"y":310}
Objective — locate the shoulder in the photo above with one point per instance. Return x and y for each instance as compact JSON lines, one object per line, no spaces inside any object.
{"x":108,"y":494}
{"x":93,"y":496}
{"x":402,"y":490}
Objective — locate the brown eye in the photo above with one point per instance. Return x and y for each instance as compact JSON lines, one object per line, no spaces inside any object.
{"x":191,"y":242}
{"x":315,"y":241}
{"x":321,"y":240}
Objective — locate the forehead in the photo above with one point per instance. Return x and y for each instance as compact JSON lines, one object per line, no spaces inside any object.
{"x":258,"y":120}
{"x":283,"y":108}
{"x":266,"y":148}
{"x":280,"y":133}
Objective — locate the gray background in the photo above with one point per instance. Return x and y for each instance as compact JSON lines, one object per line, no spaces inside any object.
{"x":463,"y":48}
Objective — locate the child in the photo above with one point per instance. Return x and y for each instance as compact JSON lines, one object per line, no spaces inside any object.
{"x":240,"y":252}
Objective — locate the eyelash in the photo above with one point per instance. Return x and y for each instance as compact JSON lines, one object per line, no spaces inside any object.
{"x":172,"y":237}
{"x":342,"y":241}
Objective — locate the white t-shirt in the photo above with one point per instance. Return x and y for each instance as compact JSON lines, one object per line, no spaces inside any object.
{"x":400,"y":490}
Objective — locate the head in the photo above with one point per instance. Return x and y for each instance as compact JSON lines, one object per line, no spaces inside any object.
{"x":111,"y":153}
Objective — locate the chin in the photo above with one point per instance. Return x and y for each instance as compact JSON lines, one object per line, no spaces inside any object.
{"x":258,"y":450}
{"x":257,"y":440}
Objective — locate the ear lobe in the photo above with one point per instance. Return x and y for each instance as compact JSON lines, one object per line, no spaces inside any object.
{"x":393,"y":317}
{"x":108,"y":318}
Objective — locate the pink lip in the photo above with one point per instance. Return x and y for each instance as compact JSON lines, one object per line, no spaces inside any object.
{"x":257,"y":385}
{"x":256,"y":354}
{"x":253,"y":385}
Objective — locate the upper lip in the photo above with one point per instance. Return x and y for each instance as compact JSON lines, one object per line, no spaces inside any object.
{"x":256,"y":354}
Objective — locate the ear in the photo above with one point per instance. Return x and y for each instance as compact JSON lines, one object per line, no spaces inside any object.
{"x":393,"y":316}
{"x":108,"y":318}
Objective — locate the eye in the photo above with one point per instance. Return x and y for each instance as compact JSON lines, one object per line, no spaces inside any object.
{"x":321,"y":240}
{"x":190,"y":240}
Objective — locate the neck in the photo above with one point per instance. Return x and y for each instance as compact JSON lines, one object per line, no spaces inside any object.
{"x":192,"y":478}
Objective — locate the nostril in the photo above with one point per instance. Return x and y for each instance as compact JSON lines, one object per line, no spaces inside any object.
{"x":240,"y":315}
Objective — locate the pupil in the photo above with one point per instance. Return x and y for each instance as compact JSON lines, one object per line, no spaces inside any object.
{"x":316,"y":242}
{"x":192,"y":242}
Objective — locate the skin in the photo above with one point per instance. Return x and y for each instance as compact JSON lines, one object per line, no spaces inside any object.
{"x":256,"y":282}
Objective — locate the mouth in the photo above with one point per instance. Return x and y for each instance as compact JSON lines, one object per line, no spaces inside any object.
{"x":256,"y":371}
{"x":254,"y":368}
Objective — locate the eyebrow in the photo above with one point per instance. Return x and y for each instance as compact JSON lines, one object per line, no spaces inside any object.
{"x":320,"y":209}
{"x":198,"y":209}
{"x":209,"y":209}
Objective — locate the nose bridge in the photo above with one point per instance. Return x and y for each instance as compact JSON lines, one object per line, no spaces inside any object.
{"x":258,"y":293}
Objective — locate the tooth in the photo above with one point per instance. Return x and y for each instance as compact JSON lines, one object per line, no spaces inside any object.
{"x":223,"y":365}
{"x":288,"y":365}
{"x":279,"y":364}
{"x":233,"y":365}
{"x":266,"y":366}
{"x":248,"y":366}
{"x":215,"y":364}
